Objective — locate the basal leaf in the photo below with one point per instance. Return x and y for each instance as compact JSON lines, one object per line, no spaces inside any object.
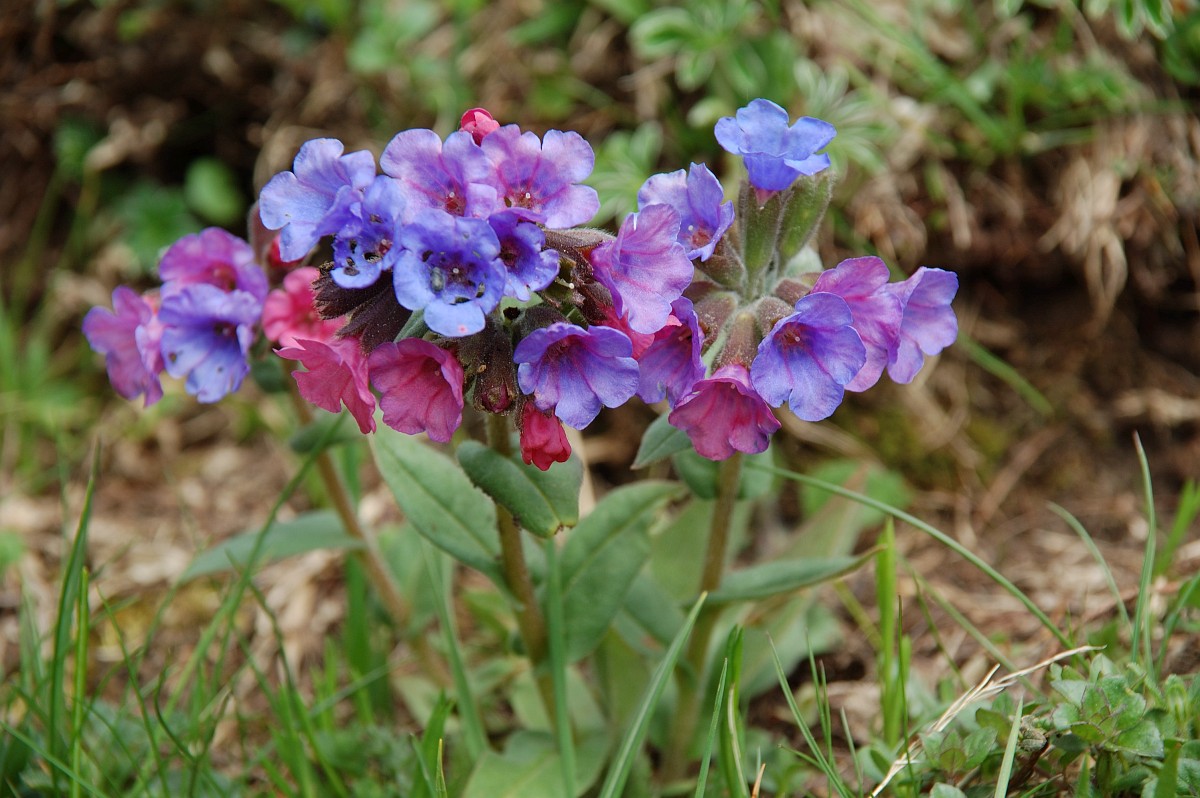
{"x":308,"y":532}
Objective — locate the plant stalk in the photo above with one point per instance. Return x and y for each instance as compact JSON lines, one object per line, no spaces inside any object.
{"x":693,"y":676}
{"x":530,"y":621}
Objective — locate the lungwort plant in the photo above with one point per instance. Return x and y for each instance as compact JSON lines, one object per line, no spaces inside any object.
{"x":461,"y":296}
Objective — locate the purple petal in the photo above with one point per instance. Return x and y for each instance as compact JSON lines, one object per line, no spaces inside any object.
{"x":574,"y":372}
{"x":929,"y":324}
{"x":862,"y":283}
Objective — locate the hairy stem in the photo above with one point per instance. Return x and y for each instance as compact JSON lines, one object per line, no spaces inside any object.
{"x":693,"y":676}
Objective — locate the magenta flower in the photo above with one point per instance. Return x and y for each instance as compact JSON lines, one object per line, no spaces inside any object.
{"x":206,"y":337}
{"x":696,"y":195}
{"x":212,"y":257}
{"x":420,"y":387}
{"x":671,"y":364}
{"x":574,"y":371}
{"x":337,"y":374}
{"x":723,"y":414}
{"x":875,"y":312}
{"x":541,"y":177}
{"x":775,"y":153}
{"x":808,"y":358}
{"x":645,"y":267}
{"x":290,"y":313}
{"x":129,"y":338}
{"x":479,"y":123}
{"x":306,"y":204}
{"x":450,"y":268}
{"x":452,"y":177}
{"x":929,"y":324}
{"x":543,"y":439}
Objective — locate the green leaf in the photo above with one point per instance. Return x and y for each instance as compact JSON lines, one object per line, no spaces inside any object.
{"x":601,"y":558}
{"x":529,"y":767}
{"x":1143,"y":739}
{"x":703,"y":475}
{"x":659,"y":442}
{"x":309,"y":532}
{"x":663,"y":32}
{"x":439,"y":501}
{"x":946,"y":791}
{"x":774,"y":578}
{"x":541,"y":501}
{"x":316,"y":434}
{"x":649,"y":604}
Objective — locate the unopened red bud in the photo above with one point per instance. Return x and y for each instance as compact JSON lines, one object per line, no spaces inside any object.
{"x":478,"y":122}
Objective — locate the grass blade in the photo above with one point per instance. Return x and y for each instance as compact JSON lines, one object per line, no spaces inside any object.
{"x":1141,"y":616}
{"x":557,"y":654}
{"x":623,"y":761}
{"x":1010,"y":753}
{"x":702,"y":779}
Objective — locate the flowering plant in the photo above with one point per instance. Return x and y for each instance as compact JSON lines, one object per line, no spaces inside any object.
{"x":461,"y":278}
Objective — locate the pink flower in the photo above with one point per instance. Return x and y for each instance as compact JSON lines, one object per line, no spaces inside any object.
{"x":478,"y":122}
{"x":420,"y":386}
{"x":337,"y":374}
{"x":289,"y":312}
{"x":129,"y":336}
{"x":724,"y":414}
{"x":543,"y":439}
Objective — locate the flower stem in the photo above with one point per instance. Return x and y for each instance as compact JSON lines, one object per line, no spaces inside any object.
{"x":692,"y":676}
{"x":530,"y":622}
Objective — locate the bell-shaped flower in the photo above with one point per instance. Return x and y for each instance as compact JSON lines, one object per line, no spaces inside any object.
{"x":541,"y":177}
{"x":206,"y":337}
{"x":775,"y":153}
{"x":420,"y":387}
{"x":212,"y":257}
{"x":875,"y":312}
{"x":336,"y":374}
{"x":543,"y":439}
{"x":290,"y":312}
{"x":723,"y":414}
{"x":928,"y":325}
{"x":450,"y":268}
{"x":671,"y":364}
{"x":452,"y":176}
{"x":530,"y":266}
{"x":645,"y":268}
{"x":696,"y":195}
{"x":574,"y":371}
{"x":809,"y":357}
{"x":306,"y":203}
{"x":364,"y":246}
{"x":129,"y":338}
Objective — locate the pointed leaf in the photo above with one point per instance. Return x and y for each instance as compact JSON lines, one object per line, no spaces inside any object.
{"x":439,"y":501}
{"x":601,"y":558}
{"x":541,"y":501}
{"x":529,"y":767}
{"x":773,"y":578}
{"x":309,"y":532}
{"x":659,"y":442}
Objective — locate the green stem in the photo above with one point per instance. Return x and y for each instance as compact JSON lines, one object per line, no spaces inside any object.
{"x":530,"y":622}
{"x":692,"y":676}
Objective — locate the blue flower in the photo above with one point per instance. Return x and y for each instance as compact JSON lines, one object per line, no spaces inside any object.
{"x":696,"y":196}
{"x":450,"y":268}
{"x":808,"y":358}
{"x":531,"y":267}
{"x":574,"y":371}
{"x":774,"y":153}
{"x":206,"y":338}
{"x":305,"y":205}
{"x":364,"y":245}
{"x":876,"y":311}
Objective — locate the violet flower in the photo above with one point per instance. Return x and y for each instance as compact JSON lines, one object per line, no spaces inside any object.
{"x":875,"y":312}
{"x":929,"y":324}
{"x":541,"y":177}
{"x":129,"y":338}
{"x":213,"y":257}
{"x":530,"y":266}
{"x":364,"y":246}
{"x":696,"y":196}
{"x":645,"y":267}
{"x":574,"y":371}
{"x":723,"y":414}
{"x":420,"y":387}
{"x":304,"y":204}
{"x":808,"y":357}
{"x":452,"y":177}
{"x":671,"y":364}
{"x":775,"y":153}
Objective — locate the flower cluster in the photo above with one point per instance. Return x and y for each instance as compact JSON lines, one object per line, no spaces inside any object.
{"x":461,"y":273}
